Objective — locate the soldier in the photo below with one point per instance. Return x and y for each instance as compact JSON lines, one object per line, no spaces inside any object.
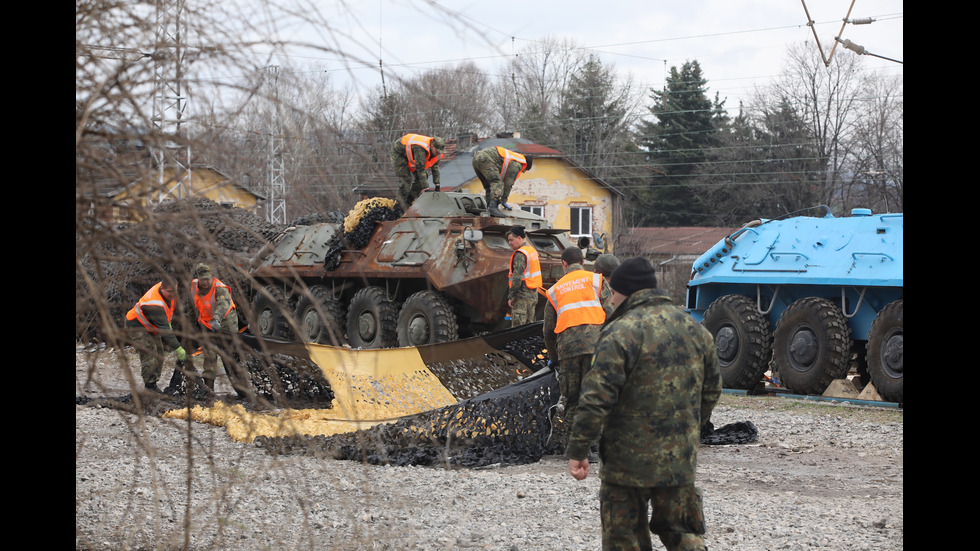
{"x":572,"y":319}
{"x":606,"y":264}
{"x":148,"y":323}
{"x":497,"y":169}
{"x":413,"y":155}
{"x":216,"y":314}
{"x":524,"y":278}
{"x":653,"y":383}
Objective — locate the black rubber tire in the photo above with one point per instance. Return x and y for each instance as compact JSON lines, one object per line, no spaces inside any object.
{"x":372,"y":319}
{"x":886,"y":354}
{"x":743,"y":339}
{"x":811,"y":345}
{"x":270,"y":308}
{"x":426,"y":318}
{"x":320,"y":317}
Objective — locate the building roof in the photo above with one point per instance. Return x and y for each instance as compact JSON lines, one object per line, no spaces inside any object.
{"x":677,"y":241}
{"x":458,"y":169}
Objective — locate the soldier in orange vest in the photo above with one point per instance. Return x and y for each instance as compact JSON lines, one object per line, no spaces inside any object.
{"x":572,"y":320}
{"x":218,"y":317}
{"x":524,"y":278}
{"x":413,"y":156}
{"x":149,"y":325}
{"x":497,"y":169}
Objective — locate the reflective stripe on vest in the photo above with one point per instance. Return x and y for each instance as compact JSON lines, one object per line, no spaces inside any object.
{"x":532,"y":269}
{"x":576,"y":300}
{"x":205,"y":304}
{"x":508,"y":156}
{"x":408,"y":140}
{"x":151,"y":298}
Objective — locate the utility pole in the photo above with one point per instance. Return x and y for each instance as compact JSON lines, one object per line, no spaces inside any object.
{"x":277,"y":167}
{"x":169,"y":104}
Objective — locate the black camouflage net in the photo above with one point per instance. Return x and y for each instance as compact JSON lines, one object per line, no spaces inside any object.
{"x":507,"y":426}
{"x":359,"y":227}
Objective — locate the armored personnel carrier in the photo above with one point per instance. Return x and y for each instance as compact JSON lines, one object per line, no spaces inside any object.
{"x":436,"y":273}
{"x":811,"y":293}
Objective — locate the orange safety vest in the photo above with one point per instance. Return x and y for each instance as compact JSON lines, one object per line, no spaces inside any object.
{"x":576,"y":300}
{"x":508,"y":156}
{"x":151,"y":298}
{"x":532,"y":271}
{"x":408,"y":140}
{"x":205,"y":304}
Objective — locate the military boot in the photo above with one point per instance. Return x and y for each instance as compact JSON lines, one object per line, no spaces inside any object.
{"x":492,"y":209}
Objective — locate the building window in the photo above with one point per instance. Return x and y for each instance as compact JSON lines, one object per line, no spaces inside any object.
{"x":534,"y":210}
{"x":581,"y":221}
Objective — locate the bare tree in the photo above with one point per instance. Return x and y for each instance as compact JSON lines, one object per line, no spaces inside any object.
{"x":530,"y":89}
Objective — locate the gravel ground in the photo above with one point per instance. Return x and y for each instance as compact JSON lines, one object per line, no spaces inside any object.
{"x":820,"y":477}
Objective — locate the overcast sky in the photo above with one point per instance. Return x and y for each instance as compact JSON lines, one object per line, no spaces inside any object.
{"x":739,"y":44}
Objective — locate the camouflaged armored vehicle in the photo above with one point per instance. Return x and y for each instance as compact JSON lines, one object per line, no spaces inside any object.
{"x":382,"y":279}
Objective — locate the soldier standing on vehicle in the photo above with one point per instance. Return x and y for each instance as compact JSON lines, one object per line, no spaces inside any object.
{"x":497,"y":168}
{"x":572,"y":319}
{"x":413,"y":156}
{"x":524,"y":278}
{"x":653,"y":383}
{"x":148,"y":324}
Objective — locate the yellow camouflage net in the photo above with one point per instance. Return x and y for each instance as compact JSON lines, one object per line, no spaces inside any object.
{"x":369,"y":386}
{"x":363,"y":207}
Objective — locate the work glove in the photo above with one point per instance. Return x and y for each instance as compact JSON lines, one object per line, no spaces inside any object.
{"x":181,"y":354}
{"x":215,"y":325}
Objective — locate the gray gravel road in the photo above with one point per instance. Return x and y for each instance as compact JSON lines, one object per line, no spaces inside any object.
{"x":820,"y":477}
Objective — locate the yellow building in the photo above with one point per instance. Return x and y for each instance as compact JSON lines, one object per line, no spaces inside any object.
{"x":566,"y":194}
{"x":204,"y":182}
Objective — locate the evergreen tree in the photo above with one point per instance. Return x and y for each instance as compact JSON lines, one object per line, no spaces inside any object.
{"x":593,"y":119}
{"x":685,"y":126}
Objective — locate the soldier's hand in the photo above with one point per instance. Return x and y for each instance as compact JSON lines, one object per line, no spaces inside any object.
{"x":181,"y":354}
{"x":215,"y":325}
{"x":578,"y":468}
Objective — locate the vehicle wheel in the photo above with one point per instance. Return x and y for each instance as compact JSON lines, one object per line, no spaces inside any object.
{"x":372,"y":321}
{"x":269,"y":310}
{"x":886,"y":354}
{"x":743,"y":338}
{"x":320,"y":317}
{"x":426,"y":318}
{"x":811,"y":345}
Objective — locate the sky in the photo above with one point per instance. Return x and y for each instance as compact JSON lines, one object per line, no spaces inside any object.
{"x":739,"y":44}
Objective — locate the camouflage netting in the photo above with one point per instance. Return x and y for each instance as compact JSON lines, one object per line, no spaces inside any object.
{"x":122,"y":261}
{"x":359,"y":226}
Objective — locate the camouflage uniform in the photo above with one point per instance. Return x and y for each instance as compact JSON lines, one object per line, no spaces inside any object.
{"x":152,"y":348}
{"x":653,"y":383}
{"x":222,"y":341}
{"x":412,"y":184}
{"x":487,"y":164}
{"x":572,"y":349}
{"x":525,"y":299}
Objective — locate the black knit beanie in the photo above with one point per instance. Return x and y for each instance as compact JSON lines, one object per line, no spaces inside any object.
{"x":633,"y":274}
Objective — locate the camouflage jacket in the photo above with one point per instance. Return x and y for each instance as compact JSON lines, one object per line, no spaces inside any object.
{"x":577,"y":340}
{"x":517,"y":288}
{"x":653,"y":382}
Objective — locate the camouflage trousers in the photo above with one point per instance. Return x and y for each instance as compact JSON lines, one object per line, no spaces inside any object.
{"x":410,"y":184}
{"x":151,"y":353}
{"x":226,"y":345}
{"x":675,"y":513}
{"x":487,"y":169}
{"x":570,"y":374}
{"x":523,"y":311}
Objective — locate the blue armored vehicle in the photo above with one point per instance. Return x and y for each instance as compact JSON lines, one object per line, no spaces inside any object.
{"x":810,"y":293}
